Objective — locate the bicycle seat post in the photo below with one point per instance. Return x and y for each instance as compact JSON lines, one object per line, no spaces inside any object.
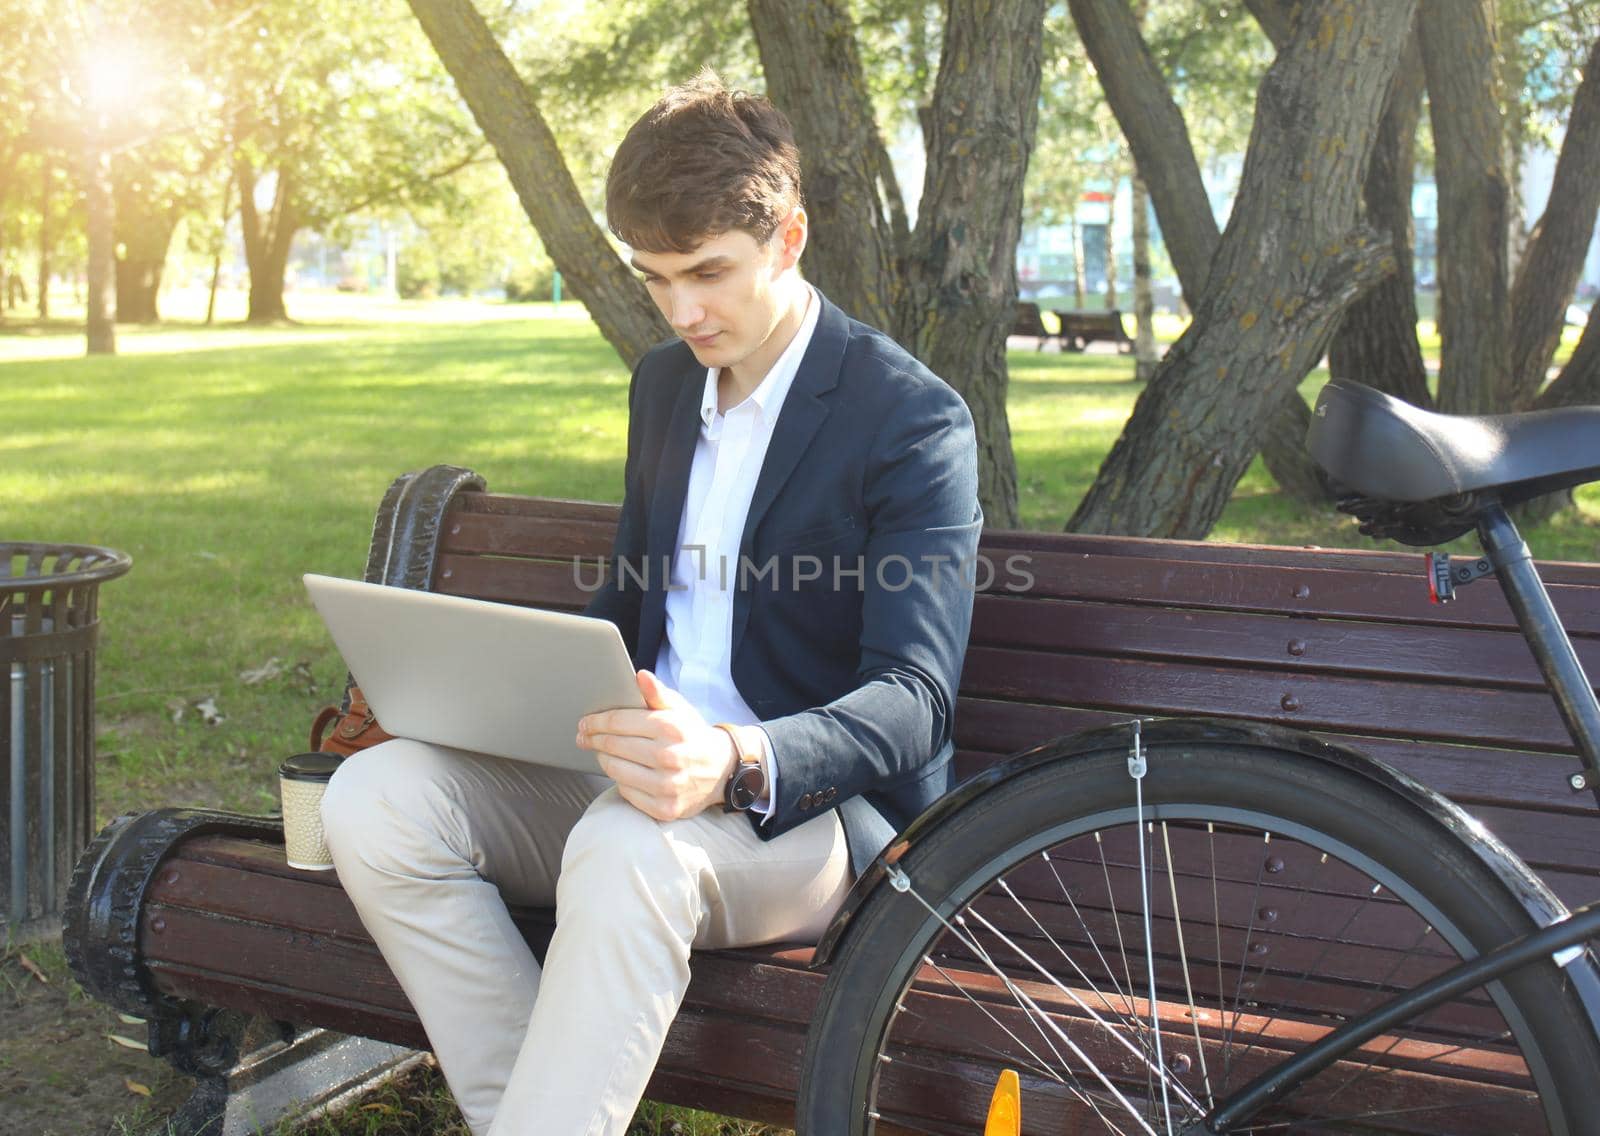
{"x":1552,"y":649}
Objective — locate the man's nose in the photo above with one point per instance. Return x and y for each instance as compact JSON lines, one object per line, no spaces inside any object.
{"x":687,"y":310}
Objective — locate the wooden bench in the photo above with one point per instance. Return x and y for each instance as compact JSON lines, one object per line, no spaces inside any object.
{"x":178,"y":913}
{"x":1029,"y":322}
{"x":1079,"y":329}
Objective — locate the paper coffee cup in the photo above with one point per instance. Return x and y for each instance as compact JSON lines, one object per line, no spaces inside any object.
{"x":302,"y":780}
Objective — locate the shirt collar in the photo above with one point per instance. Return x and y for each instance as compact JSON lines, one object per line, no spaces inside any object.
{"x":774,"y":386}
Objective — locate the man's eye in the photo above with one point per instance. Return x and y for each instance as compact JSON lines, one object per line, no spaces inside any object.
{"x":708,"y":277}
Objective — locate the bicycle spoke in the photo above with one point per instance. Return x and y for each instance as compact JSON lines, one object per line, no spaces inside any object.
{"x":1128,"y":1019}
{"x":1033,"y":1007}
{"x":1183,"y":963}
{"x":1075,"y":1085}
{"x":1316,"y":965}
{"x":1244,"y":955}
{"x":1116,"y":916}
{"x":1066,"y":893}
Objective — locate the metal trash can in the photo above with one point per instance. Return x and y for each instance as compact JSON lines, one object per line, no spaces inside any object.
{"x":48,"y":630}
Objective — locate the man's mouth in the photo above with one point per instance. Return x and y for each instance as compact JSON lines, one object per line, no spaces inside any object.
{"x":701,"y":340}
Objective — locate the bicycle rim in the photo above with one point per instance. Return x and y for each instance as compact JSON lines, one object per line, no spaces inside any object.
{"x":1136,"y":967}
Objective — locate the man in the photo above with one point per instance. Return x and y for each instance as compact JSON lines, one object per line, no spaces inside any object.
{"x":813,"y":490}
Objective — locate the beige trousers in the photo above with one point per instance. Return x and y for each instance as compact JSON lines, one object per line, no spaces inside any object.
{"x":432,"y":844}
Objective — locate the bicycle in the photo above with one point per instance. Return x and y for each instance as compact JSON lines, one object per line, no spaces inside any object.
{"x":1109,"y":914}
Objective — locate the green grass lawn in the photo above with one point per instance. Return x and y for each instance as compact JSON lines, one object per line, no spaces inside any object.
{"x":228,"y":461}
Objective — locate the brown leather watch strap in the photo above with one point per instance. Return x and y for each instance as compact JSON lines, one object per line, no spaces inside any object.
{"x":747,"y":759}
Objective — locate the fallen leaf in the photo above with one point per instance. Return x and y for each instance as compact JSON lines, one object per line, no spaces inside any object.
{"x":207,"y":709}
{"x":130,"y":1020}
{"x":33,"y":968}
{"x":268,"y":670}
{"x":177,"y":706}
{"x":126,"y":1042}
{"x":135,"y":1087}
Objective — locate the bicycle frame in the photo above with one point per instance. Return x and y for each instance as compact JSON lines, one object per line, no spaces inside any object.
{"x":1552,"y":649}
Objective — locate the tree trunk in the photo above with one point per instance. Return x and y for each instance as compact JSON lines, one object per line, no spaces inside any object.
{"x":217,"y":249}
{"x":1578,"y":384}
{"x":1556,"y":250}
{"x":144,"y":234}
{"x":850,"y":191}
{"x":46,"y":234}
{"x":1458,"y":56}
{"x":266,"y":244}
{"x":954,"y":299}
{"x":1144,"y":303}
{"x":1111,"y":245}
{"x":1157,"y":136}
{"x":1080,"y":271}
{"x":510,"y":119}
{"x":1376,"y":342}
{"x":101,"y":220}
{"x":1293,"y":257}
{"x":961,"y":276}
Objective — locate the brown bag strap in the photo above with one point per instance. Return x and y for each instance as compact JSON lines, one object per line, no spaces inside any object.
{"x":325,"y":718}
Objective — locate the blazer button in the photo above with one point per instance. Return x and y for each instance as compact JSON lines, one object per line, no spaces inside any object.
{"x":830,"y":795}
{"x":805,"y":802}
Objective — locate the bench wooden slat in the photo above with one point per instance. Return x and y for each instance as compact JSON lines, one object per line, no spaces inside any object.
{"x":1322,"y":592}
{"x":989,"y":729}
{"x":1406,"y":567}
{"x":1306,"y":701}
{"x":1228,"y":640}
{"x":1401,"y":569}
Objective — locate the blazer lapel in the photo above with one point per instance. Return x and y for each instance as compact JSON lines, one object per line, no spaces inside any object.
{"x":802,"y":415}
{"x":666,"y":508}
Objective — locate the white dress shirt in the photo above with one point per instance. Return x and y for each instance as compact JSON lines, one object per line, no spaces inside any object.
{"x":696,"y":656}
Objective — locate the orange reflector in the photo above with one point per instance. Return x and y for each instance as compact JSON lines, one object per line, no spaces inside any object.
{"x":1005,"y":1107}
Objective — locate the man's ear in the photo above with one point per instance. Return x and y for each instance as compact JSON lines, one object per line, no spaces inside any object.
{"x":792,"y":233}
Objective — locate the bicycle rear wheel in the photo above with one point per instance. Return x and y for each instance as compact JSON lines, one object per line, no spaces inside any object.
{"x":1278,"y":896}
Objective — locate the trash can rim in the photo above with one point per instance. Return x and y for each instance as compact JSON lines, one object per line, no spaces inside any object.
{"x":106,"y":564}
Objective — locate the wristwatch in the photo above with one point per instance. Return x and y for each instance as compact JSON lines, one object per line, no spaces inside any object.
{"x":748,"y":781}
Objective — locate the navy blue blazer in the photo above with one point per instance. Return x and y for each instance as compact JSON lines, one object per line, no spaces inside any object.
{"x":852,"y":603}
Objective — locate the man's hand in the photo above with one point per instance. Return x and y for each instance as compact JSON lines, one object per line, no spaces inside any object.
{"x":666,"y":760}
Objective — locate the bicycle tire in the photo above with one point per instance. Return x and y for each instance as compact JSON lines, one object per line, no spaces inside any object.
{"x":895,"y":1046}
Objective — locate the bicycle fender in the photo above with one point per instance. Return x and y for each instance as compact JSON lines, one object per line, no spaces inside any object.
{"x":1530,"y":891}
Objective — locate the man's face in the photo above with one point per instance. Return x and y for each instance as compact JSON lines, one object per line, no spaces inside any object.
{"x":727,"y":296}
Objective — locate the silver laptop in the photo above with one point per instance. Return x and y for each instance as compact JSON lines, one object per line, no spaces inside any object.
{"x":488,"y":677}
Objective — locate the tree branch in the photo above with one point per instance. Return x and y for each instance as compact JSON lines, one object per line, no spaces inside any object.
{"x":1560,"y":241}
{"x":509,"y":117}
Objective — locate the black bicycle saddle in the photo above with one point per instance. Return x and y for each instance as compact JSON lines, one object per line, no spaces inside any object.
{"x":1385,"y":452}
{"x":1384,"y":448}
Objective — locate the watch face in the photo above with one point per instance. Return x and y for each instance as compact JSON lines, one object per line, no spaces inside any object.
{"x":745,"y":787}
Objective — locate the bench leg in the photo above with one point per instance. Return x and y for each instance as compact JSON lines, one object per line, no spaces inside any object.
{"x":251,"y":1073}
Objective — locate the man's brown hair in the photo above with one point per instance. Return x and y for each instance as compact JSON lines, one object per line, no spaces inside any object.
{"x":702,"y":162}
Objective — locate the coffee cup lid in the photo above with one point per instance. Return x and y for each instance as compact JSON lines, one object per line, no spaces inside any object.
{"x":310,"y":766}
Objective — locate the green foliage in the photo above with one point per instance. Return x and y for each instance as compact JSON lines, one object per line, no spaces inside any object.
{"x":468,"y":251}
{"x":347,"y":98}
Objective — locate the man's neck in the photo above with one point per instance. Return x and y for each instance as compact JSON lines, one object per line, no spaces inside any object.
{"x":735,"y":384}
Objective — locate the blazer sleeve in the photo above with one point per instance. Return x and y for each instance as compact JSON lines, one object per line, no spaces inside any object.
{"x":616,"y":599}
{"x":921,"y":498}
